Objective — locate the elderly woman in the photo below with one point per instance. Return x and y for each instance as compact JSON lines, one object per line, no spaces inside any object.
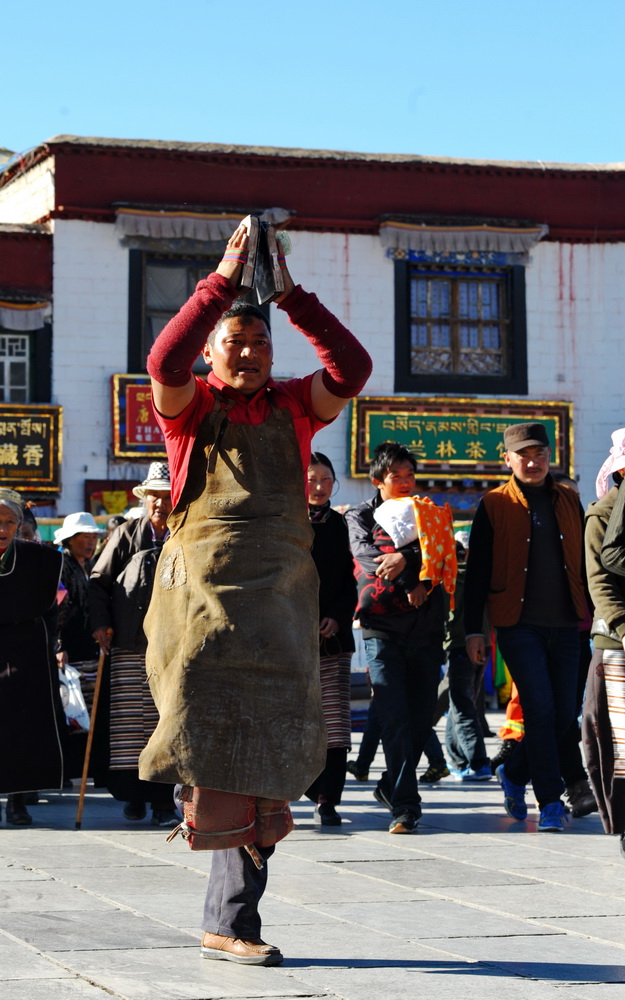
{"x":30,"y":747}
{"x":337,"y":601}
{"x":120,"y":588}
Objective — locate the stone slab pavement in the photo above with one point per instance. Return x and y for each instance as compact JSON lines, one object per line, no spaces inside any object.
{"x":473,"y":905}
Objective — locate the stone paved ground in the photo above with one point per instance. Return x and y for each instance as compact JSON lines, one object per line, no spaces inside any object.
{"x":474,"y":905}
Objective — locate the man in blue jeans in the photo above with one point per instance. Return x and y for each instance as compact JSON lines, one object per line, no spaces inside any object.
{"x":525,"y":568}
{"x":402,"y":619}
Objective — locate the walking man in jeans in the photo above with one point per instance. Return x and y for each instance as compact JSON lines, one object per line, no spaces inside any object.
{"x":525,"y":569}
{"x":403,"y":622}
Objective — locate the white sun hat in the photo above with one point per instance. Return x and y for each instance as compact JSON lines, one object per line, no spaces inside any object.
{"x":76,"y":524}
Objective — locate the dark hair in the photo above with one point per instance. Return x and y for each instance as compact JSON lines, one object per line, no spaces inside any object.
{"x":387,"y":453}
{"x":243,"y":310}
{"x":114,"y":521}
{"x":318,"y":458}
{"x":29,"y":518}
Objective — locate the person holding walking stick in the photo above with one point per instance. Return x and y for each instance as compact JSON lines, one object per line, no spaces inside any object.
{"x":31,"y":715}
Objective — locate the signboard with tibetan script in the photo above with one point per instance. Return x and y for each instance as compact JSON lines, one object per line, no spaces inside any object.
{"x":30,"y":447}
{"x":136,"y":433}
{"x":455,"y":438}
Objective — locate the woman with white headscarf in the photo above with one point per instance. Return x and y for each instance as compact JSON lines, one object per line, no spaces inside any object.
{"x":603,"y":719}
{"x":30,"y":708}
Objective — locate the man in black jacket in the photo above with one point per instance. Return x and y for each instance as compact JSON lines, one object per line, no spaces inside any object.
{"x":403,"y":621}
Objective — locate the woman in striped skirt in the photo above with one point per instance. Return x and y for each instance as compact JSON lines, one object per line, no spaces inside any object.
{"x":603,"y":719}
{"x":337,"y":601}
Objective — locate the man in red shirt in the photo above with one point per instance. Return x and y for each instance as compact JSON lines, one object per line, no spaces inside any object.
{"x":233,"y":624}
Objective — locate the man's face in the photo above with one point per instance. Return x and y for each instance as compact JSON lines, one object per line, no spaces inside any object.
{"x":242,"y":353}
{"x":158,"y":504}
{"x":398,"y":482}
{"x":530,"y":465}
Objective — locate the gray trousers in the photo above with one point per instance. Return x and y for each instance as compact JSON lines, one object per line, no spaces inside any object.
{"x":234,"y":890}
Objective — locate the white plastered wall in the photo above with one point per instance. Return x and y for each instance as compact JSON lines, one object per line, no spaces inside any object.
{"x":353,"y":278}
{"x":576,"y":326}
{"x":29,"y":197}
{"x":90,"y":343}
{"x":575,"y":314}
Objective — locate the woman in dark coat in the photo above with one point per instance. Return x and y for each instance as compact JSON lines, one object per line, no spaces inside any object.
{"x":29,"y":690}
{"x":337,"y":601}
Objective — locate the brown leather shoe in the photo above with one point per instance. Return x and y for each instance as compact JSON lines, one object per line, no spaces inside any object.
{"x":254,"y":952}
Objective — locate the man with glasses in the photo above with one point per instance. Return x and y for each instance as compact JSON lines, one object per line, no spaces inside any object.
{"x":525,"y":569}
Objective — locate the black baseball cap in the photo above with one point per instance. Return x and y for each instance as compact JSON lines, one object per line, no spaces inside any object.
{"x":518,"y":436}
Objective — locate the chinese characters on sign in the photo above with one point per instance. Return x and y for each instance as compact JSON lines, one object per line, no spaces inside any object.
{"x":30,"y":447}
{"x":135,"y":430}
{"x":441,"y":439}
{"x":454,"y":438}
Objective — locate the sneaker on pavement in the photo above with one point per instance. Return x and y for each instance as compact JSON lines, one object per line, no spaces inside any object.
{"x":552,"y":818}
{"x":581,"y":799}
{"x":514,"y":796}
{"x":165,"y":817}
{"x":455,"y":772}
{"x":483,"y":773}
{"x":405,"y":822}
{"x":381,"y":797}
{"x":434,"y":773}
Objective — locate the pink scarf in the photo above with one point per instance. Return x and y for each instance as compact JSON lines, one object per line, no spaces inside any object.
{"x":615,"y":462}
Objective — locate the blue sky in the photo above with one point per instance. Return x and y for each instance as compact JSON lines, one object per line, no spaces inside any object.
{"x":538,"y":80}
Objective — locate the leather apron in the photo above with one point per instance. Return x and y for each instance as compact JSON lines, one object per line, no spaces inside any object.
{"x":232,"y":627}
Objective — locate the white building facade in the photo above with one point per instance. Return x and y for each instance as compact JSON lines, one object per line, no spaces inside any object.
{"x":573,"y":284}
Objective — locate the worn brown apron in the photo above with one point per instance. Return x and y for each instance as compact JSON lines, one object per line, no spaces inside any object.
{"x":232,"y":627}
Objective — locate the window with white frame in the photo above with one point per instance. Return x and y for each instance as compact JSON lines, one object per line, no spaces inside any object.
{"x":14,"y":367}
{"x":160,"y":284}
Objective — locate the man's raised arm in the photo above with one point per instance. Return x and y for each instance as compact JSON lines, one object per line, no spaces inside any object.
{"x":346,"y":364}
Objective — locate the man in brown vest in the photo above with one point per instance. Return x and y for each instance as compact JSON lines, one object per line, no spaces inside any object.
{"x":525,"y":568}
{"x":233,"y":626}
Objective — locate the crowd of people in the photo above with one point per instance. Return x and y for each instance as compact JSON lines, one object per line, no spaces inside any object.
{"x":220,"y":620}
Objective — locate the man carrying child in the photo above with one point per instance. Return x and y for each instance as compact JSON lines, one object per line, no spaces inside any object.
{"x":402,"y":614}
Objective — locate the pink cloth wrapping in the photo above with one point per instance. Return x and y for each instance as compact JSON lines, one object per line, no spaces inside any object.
{"x":615,"y":462}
